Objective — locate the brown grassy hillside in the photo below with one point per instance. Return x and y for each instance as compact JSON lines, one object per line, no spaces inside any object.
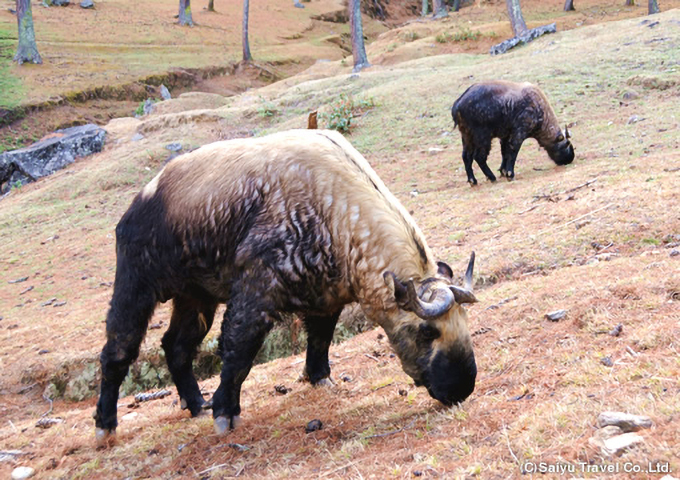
{"x":598,"y":238}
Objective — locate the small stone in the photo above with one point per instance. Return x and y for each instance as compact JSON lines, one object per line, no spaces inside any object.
{"x":607,"y":362}
{"x":620,"y":443}
{"x":313,"y":426}
{"x":556,"y":316}
{"x":137,"y":137}
{"x":174,"y":146}
{"x":626,"y":421}
{"x":87,"y":4}
{"x":434,"y":150}
{"x":281,"y":389}
{"x":43,"y":351}
{"x":346,"y":378}
{"x":675,"y":252}
{"x":616,"y":331}
{"x":165,"y":93}
{"x":633,"y":119}
{"x":417,"y":473}
{"x":20,"y":473}
{"x":130,"y":416}
{"x":630,"y":95}
{"x":603,"y":434}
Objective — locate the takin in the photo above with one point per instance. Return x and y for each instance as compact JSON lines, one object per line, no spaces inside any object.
{"x":511,"y":112}
{"x":292,"y":222}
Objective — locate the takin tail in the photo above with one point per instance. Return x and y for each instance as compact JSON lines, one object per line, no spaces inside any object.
{"x":456,"y":105}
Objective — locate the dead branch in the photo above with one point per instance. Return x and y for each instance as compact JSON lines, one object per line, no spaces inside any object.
{"x":393,"y":432}
{"x":51,"y":406}
{"x":534,"y":207}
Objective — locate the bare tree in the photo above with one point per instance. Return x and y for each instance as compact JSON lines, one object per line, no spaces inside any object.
{"x":27,"y":50}
{"x":439,"y":9}
{"x":630,"y":3}
{"x":185,"y":13}
{"x":247,"y":57}
{"x":519,"y":26}
{"x":211,"y":5}
{"x":455,"y":6}
{"x":424,"y":11}
{"x":358,"y":47}
{"x":653,"y":7}
{"x":569,"y":6}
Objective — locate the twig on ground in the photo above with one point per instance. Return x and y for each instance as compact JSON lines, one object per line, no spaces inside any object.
{"x":534,"y":207}
{"x":347,"y":465}
{"x":147,"y":397}
{"x":589,"y":182}
{"x":372,"y":357}
{"x":507,"y":440}
{"x":393,"y":432}
{"x":212,"y":468}
{"x":575,"y":220}
{"x":51,"y":406}
{"x":554,"y":197}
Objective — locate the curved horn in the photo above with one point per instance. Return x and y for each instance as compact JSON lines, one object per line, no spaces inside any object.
{"x":566,"y":133}
{"x":441,"y":302}
{"x":464,"y":294}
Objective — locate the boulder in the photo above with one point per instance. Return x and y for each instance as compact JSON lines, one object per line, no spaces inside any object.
{"x":625,"y":421}
{"x":52,"y":153}
{"x":165,"y":93}
{"x":87,"y":4}
{"x":60,"y":3}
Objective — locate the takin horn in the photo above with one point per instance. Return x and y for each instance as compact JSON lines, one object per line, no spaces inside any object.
{"x":464,"y":294}
{"x":441,"y":302}
{"x":566,"y":133}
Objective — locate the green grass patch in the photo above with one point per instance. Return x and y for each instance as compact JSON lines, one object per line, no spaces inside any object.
{"x":10,"y":85}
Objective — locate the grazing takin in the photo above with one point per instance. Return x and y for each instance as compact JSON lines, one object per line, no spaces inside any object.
{"x":511,"y":112}
{"x":292,"y":222}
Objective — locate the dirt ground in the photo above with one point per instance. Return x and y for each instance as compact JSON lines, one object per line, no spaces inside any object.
{"x":598,"y":238}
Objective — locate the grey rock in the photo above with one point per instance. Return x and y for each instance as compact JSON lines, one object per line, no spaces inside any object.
{"x":137,"y":137}
{"x":87,"y":4}
{"x":633,"y":119}
{"x":148,"y":106}
{"x":625,"y":421}
{"x":675,"y":252}
{"x":607,"y":361}
{"x":620,"y":443}
{"x":165,"y":93}
{"x":60,"y":3}
{"x":50,"y":154}
{"x":556,"y":316}
{"x":174,"y":146}
{"x":602,"y":434}
{"x":21,"y":473}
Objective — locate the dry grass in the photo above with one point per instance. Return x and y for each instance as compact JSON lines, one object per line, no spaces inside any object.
{"x":604,"y":255}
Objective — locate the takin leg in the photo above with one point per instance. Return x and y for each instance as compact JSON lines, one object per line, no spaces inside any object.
{"x":481,"y":154}
{"x":191,"y":321}
{"x":319,"y":336}
{"x":509,"y":149}
{"x":468,"y":148}
{"x":132,"y":305}
{"x":246,"y":323}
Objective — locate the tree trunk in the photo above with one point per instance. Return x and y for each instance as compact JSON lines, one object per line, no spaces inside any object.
{"x":185,"y":13}
{"x":439,"y":9}
{"x":247,"y":57}
{"x":211,"y":5}
{"x":519,"y":26}
{"x":653,"y":6}
{"x":630,"y":3}
{"x":358,"y":47}
{"x":456,"y":5}
{"x":569,"y":6}
{"x":425,"y":9}
{"x":27,"y":50}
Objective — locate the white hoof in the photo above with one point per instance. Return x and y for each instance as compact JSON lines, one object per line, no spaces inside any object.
{"x":104,"y":437}
{"x":236,"y":422}
{"x":183,"y":404}
{"x":325,"y":382}
{"x":221,"y":425}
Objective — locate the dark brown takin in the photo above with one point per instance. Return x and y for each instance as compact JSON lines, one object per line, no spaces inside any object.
{"x":292,"y":222}
{"x":511,"y":112}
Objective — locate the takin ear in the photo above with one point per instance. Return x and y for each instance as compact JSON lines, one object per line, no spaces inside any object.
{"x":397,"y":288}
{"x":444,"y":270}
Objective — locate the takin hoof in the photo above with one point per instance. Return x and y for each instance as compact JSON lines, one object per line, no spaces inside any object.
{"x":325,"y":382}
{"x":204,"y":406}
{"x":223,"y":424}
{"x":105,"y":437}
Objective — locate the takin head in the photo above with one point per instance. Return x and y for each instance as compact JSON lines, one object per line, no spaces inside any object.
{"x":431,"y":336}
{"x":562,"y":151}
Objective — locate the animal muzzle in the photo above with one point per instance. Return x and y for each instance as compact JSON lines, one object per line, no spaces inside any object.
{"x":451,"y":378}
